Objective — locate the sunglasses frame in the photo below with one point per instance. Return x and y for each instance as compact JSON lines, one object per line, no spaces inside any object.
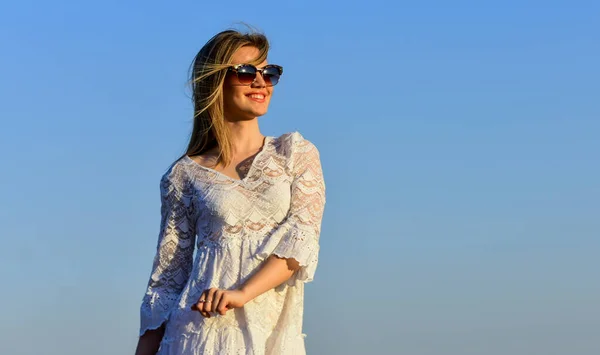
{"x":235,"y":68}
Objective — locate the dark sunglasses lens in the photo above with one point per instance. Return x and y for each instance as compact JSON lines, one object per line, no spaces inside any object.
{"x":271,"y":75}
{"x":246,"y":74}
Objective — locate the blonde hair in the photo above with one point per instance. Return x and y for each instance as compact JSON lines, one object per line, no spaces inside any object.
{"x":208,"y":72}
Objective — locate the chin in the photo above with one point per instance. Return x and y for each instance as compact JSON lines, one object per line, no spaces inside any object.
{"x":249,"y":116}
{"x":261,"y":113}
{"x":257,"y":113}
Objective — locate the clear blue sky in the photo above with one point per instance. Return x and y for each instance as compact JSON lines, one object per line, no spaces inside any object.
{"x":460,"y":144}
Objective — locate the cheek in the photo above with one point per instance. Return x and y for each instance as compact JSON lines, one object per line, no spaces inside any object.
{"x":232,"y":94}
{"x":269,"y":90}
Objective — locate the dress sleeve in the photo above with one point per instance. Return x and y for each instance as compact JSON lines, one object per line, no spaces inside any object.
{"x":298,"y":235}
{"x":174,"y":252}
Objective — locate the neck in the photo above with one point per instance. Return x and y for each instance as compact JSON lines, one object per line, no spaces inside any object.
{"x":245,"y":136}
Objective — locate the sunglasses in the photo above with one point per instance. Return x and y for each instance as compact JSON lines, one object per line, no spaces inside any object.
{"x":246,"y":73}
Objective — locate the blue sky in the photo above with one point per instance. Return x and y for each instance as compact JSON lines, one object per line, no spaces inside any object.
{"x":459,"y":143}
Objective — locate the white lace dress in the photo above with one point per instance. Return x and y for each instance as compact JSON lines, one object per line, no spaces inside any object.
{"x":234,"y":225}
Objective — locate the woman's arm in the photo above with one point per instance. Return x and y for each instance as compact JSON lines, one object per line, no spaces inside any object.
{"x":272,"y":273}
{"x":149,"y":343}
{"x":173,"y":259}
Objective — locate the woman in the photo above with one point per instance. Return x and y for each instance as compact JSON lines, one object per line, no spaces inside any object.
{"x":251,"y":205}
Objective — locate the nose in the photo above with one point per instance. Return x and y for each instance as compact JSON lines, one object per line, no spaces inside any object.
{"x":259,"y":81}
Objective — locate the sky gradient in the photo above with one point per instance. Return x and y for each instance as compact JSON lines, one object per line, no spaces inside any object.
{"x":459,"y":143}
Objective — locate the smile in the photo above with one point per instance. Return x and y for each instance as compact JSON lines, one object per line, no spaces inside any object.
{"x":256,"y":97}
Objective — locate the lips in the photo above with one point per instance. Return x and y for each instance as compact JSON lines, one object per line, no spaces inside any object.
{"x":257,"y":97}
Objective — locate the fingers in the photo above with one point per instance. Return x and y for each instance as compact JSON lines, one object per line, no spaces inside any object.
{"x":211,"y":300}
{"x":221,"y":305}
{"x":208,"y":304}
{"x":203,"y":304}
{"x":200,"y":305}
{"x":215,"y":300}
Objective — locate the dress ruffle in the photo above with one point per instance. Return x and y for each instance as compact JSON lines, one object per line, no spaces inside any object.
{"x":290,"y":241}
{"x":153,"y":315}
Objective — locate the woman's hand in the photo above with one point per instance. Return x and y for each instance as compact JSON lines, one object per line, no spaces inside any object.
{"x":220,"y":301}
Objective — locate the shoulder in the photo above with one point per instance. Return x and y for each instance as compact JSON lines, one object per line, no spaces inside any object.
{"x":298,"y":151}
{"x":292,"y":143}
{"x":176,"y":176}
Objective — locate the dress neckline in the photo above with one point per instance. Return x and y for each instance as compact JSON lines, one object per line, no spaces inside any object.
{"x":266,"y":142}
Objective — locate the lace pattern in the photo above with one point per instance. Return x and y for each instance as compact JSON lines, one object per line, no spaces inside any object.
{"x":298,"y":236}
{"x":172,"y":263}
{"x":235,"y":225}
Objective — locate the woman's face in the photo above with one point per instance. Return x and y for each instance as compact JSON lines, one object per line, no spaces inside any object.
{"x":246,"y":102}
